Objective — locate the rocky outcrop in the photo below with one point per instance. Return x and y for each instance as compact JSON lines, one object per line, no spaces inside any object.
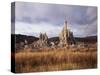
{"x":66,"y":36}
{"x":42,"y":42}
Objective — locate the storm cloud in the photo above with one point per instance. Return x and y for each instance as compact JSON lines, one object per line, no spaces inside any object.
{"x":33,"y":18}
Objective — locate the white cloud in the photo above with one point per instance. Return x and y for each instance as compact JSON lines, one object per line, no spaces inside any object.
{"x":35,"y":29}
{"x":84,"y":30}
{"x":33,"y":18}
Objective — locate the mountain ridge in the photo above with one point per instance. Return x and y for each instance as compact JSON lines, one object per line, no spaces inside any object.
{"x":30,"y":39}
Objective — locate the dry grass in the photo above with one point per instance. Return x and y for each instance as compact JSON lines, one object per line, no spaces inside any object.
{"x":55,"y":60}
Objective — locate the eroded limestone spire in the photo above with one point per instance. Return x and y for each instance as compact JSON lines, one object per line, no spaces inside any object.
{"x":66,"y":36}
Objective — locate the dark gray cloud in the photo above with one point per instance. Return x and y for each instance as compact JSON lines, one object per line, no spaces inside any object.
{"x":82,"y":20}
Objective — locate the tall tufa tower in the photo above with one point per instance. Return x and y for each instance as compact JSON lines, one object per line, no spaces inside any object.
{"x":65,"y":37}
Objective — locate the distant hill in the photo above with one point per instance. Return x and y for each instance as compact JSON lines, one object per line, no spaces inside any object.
{"x":22,"y":38}
{"x":89,"y":39}
{"x":53,"y":39}
{"x":30,"y":39}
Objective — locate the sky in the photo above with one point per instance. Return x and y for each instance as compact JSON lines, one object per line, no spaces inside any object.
{"x":33,"y":18}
